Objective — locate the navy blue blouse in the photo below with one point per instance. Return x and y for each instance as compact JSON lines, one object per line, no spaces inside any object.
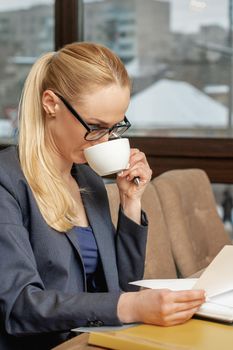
{"x":90,"y":256}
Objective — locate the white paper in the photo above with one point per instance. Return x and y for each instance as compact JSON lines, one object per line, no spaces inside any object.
{"x":173,"y":284}
{"x":223,"y":299}
{"x":215,"y":311}
{"x":216,"y":278}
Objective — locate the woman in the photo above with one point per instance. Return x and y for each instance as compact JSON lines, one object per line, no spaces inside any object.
{"x":62,"y":263}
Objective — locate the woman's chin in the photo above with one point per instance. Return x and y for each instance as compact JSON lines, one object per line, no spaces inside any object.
{"x":80,"y":159}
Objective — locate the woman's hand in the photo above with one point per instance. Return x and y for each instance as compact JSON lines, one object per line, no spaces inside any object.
{"x":131,"y":193}
{"x":161,"y":307}
{"x":138,"y":167}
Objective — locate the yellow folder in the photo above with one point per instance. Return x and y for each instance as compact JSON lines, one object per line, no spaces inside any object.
{"x":194,"y":334}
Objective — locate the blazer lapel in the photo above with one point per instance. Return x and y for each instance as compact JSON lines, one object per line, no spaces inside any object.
{"x":72,"y":237}
{"x":102,"y":229}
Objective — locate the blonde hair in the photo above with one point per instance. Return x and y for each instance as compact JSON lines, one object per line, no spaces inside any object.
{"x":73,"y":71}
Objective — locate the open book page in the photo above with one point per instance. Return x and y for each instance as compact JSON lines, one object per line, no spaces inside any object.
{"x":215,"y":280}
{"x":223,"y":299}
{"x":216,"y":311}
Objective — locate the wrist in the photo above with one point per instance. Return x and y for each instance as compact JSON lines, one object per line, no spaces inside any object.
{"x":131,"y":204}
{"x":126,"y":307}
{"x":131,"y":207}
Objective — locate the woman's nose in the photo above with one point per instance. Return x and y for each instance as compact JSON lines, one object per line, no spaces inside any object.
{"x":105,"y":138}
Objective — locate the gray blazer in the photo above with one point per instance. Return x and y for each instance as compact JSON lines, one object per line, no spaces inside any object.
{"x":42,"y":279}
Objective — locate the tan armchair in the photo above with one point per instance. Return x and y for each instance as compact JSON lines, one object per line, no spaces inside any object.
{"x":195,"y":230}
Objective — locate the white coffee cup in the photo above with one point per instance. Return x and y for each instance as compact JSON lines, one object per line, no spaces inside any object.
{"x":108,"y":157}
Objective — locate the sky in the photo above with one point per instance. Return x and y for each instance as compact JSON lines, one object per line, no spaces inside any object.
{"x":6,"y":5}
{"x":184,"y":17}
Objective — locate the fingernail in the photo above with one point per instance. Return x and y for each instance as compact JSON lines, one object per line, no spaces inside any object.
{"x":120,"y":173}
{"x":128,"y":166}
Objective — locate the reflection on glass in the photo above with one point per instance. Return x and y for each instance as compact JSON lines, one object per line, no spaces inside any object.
{"x":179,"y":55}
{"x":26,"y":31}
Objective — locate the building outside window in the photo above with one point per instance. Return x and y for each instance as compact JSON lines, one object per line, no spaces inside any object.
{"x":26,"y":31}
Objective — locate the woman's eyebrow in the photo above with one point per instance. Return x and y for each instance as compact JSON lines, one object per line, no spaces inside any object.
{"x":98,"y":122}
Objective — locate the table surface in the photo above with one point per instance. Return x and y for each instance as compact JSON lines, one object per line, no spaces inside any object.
{"x":77,"y":343}
{"x":194,"y":334}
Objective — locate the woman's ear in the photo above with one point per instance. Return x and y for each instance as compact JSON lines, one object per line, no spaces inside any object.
{"x":49,"y":102}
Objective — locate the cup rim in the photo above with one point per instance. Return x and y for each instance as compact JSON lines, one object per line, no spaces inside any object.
{"x":103,"y":143}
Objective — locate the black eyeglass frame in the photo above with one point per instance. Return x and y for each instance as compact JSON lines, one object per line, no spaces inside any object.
{"x":91,"y":128}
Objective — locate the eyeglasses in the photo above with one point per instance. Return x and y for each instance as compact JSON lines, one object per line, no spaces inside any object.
{"x":95,"y":132}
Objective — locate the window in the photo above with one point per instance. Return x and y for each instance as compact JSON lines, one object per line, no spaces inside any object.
{"x":155,"y":44}
{"x":179,"y":55}
{"x":26,"y":31}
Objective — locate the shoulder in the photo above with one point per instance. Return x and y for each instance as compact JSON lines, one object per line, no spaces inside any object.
{"x":11,"y":174}
{"x":9,"y":153}
{"x":9,"y":161}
